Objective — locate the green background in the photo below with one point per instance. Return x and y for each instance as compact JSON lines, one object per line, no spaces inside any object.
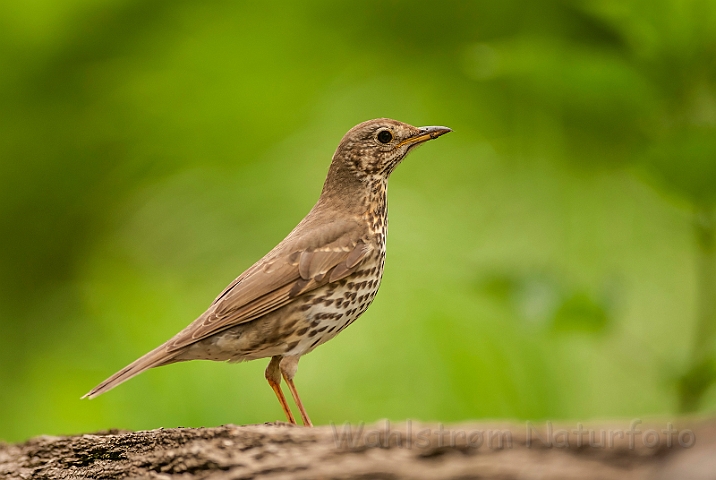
{"x":550,"y":259}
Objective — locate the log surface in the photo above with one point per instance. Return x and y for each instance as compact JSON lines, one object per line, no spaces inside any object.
{"x":406,"y":450}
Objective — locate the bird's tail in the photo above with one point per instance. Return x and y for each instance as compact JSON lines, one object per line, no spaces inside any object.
{"x":158,"y":356}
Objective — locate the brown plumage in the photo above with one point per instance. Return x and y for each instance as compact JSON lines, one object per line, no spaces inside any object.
{"x":314,"y":283}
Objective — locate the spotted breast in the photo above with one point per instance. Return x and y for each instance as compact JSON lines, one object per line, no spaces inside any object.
{"x":336,"y":306}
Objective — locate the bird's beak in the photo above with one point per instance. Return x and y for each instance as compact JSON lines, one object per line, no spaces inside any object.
{"x":425,"y":134}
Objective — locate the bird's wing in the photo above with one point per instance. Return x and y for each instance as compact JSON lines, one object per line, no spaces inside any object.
{"x":271,"y":284}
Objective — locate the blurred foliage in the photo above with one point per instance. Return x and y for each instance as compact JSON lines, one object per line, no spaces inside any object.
{"x":150,"y":151}
{"x":539,"y":299}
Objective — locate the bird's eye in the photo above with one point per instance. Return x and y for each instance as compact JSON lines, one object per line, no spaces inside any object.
{"x":385,"y":136}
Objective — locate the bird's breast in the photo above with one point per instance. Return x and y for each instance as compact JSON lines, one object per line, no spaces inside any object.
{"x":334,"y":307}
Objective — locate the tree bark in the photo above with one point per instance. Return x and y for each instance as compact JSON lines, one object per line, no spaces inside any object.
{"x":406,"y":450}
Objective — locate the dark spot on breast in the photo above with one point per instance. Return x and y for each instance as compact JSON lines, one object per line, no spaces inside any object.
{"x":302,"y":331}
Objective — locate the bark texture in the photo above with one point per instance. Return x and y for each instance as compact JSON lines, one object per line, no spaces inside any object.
{"x":406,"y":450}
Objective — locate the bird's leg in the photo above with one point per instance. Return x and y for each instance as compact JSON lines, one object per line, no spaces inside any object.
{"x":273,"y":376}
{"x":288,"y":366}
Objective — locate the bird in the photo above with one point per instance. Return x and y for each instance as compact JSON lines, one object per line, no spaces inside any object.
{"x":315,"y":282}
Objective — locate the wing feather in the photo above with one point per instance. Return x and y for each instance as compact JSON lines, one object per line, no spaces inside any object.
{"x":354,"y":258}
{"x":269,"y":285}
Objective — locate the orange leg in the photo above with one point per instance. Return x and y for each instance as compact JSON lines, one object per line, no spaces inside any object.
{"x":297,"y":399}
{"x":274,"y":379}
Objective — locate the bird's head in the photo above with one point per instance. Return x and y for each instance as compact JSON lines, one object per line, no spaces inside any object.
{"x":376,"y":147}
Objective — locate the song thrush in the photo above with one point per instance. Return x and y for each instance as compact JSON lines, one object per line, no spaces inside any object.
{"x":314,"y":283}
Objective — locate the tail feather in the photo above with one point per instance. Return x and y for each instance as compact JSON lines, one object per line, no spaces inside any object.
{"x":158,"y":356}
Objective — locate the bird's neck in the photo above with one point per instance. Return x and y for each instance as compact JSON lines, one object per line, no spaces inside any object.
{"x":359,"y":195}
